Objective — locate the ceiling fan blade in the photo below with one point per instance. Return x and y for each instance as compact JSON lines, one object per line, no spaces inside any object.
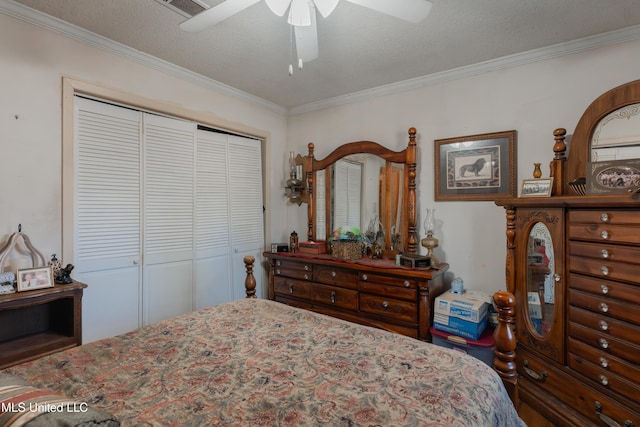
{"x":279,"y":7}
{"x":307,"y":40}
{"x":408,"y":10}
{"x":325,"y":7}
{"x":215,"y":15}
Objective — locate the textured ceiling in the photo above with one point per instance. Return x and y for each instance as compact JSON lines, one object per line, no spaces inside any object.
{"x":359,"y":49}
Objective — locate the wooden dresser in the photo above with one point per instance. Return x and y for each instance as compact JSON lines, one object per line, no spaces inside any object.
{"x":573,"y":263}
{"x":393,"y":298}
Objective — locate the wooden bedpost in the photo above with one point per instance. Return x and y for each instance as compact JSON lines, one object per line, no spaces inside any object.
{"x":412,"y":238}
{"x":557,"y":169}
{"x":250,"y":281}
{"x":505,"y":342}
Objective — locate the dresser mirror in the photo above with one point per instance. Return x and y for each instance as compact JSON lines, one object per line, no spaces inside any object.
{"x":609,"y":129}
{"x":540,"y":279}
{"x":617,"y":135}
{"x":366,"y":185}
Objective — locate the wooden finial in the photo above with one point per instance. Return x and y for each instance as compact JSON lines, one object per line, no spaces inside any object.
{"x":250,"y":281}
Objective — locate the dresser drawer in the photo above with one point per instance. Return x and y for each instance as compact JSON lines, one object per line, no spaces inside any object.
{"x":604,"y":216}
{"x":335,"y":296}
{"x":604,"y":251}
{"x":389,"y":291}
{"x":605,"y":233}
{"x":585,"y":353}
{"x":336,"y":276}
{"x":605,"y":269}
{"x":603,"y":378}
{"x":611,"y":345}
{"x":286,"y":286}
{"x":606,"y":288}
{"x":296,"y":270}
{"x":577,"y":395}
{"x":605,"y":306}
{"x":388,"y":280}
{"x":606,"y":325}
{"x":389,"y":307}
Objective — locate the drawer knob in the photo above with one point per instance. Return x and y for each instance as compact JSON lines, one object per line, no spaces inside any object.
{"x":604,"y":380}
{"x":604,"y":289}
{"x":385,"y":304}
{"x":306,"y":277}
{"x":333,"y":274}
{"x":604,"y":362}
{"x":290,"y":288}
{"x":406,"y":284}
{"x":533,"y":374}
{"x":278,"y":263}
{"x":556,"y":277}
{"x":306,"y":268}
{"x":603,"y":343}
{"x":604,"y":270}
{"x":604,"y":217}
{"x":604,"y":307}
{"x":604,"y":253}
{"x":333,"y":297}
{"x":604,"y":325}
{"x":364,"y":277}
{"x":604,"y":234}
{"x":277,"y":272}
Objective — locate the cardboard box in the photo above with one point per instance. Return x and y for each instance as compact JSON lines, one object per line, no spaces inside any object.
{"x":482,"y":348}
{"x":460,"y":315}
{"x":535,"y":310}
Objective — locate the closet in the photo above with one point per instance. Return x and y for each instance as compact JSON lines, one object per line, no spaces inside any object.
{"x":164,"y":212}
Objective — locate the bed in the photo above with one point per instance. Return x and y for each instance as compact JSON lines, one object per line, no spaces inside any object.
{"x":256,"y":362}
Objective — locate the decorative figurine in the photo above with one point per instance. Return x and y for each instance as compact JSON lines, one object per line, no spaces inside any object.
{"x":63,"y":277}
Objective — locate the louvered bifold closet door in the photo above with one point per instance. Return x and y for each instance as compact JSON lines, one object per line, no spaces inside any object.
{"x":347,"y":190}
{"x":107,"y":228}
{"x":168,"y":161}
{"x":247,"y":213}
{"x":213,"y":240}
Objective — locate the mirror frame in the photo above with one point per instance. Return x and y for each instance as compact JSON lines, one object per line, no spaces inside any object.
{"x":406,"y":157}
{"x":580,"y":148}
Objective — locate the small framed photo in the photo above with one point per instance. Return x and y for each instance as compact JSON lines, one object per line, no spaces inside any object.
{"x":613,"y":177}
{"x":34,"y":278}
{"x":536,"y":187}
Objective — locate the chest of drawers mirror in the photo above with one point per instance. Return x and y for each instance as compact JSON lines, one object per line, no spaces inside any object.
{"x":573,"y":264}
{"x":373,"y":292}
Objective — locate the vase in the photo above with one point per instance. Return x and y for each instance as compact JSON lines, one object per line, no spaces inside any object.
{"x":537,"y":173}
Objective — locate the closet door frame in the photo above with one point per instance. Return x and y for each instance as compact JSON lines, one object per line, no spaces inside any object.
{"x":72,"y":87}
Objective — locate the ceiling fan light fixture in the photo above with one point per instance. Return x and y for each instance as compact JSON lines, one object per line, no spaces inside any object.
{"x":279,"y":7}
{"x":325,"y":7}
{"x":300,"y":13}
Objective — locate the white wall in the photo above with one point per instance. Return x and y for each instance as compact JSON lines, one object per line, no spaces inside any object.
{"x":34,"y":61}
{"x":533,"y":99}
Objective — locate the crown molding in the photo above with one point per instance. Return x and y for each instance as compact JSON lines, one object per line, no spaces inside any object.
{"x":63,"y":28}
{"x":19,"y":11}
{"x":505,"y":62}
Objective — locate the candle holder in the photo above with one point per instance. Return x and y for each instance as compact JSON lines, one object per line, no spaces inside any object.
{"x":430,"y":242}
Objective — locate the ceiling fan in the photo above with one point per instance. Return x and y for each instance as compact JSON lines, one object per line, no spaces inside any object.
{"x":302,"y":17}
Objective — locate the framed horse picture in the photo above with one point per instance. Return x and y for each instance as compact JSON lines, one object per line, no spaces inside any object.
{"x":476,"y":167}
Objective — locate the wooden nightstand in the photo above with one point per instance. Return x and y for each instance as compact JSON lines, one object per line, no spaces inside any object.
{"x":40,"y":322}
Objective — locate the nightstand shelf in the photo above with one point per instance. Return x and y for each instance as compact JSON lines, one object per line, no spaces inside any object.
{"x":40,"y":322}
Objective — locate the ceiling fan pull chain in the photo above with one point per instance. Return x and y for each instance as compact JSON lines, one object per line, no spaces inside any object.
{"x":291,"y":50}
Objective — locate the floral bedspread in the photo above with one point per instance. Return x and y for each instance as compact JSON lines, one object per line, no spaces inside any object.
{"x":256,"y":362}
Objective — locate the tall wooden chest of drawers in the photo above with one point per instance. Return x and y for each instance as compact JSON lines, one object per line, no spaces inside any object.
{"x":581,"y":367}
{"x":394,"y":298}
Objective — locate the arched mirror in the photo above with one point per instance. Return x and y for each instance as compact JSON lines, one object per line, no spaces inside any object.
{"x":540,"y":279}
{"x":366,"y":185}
